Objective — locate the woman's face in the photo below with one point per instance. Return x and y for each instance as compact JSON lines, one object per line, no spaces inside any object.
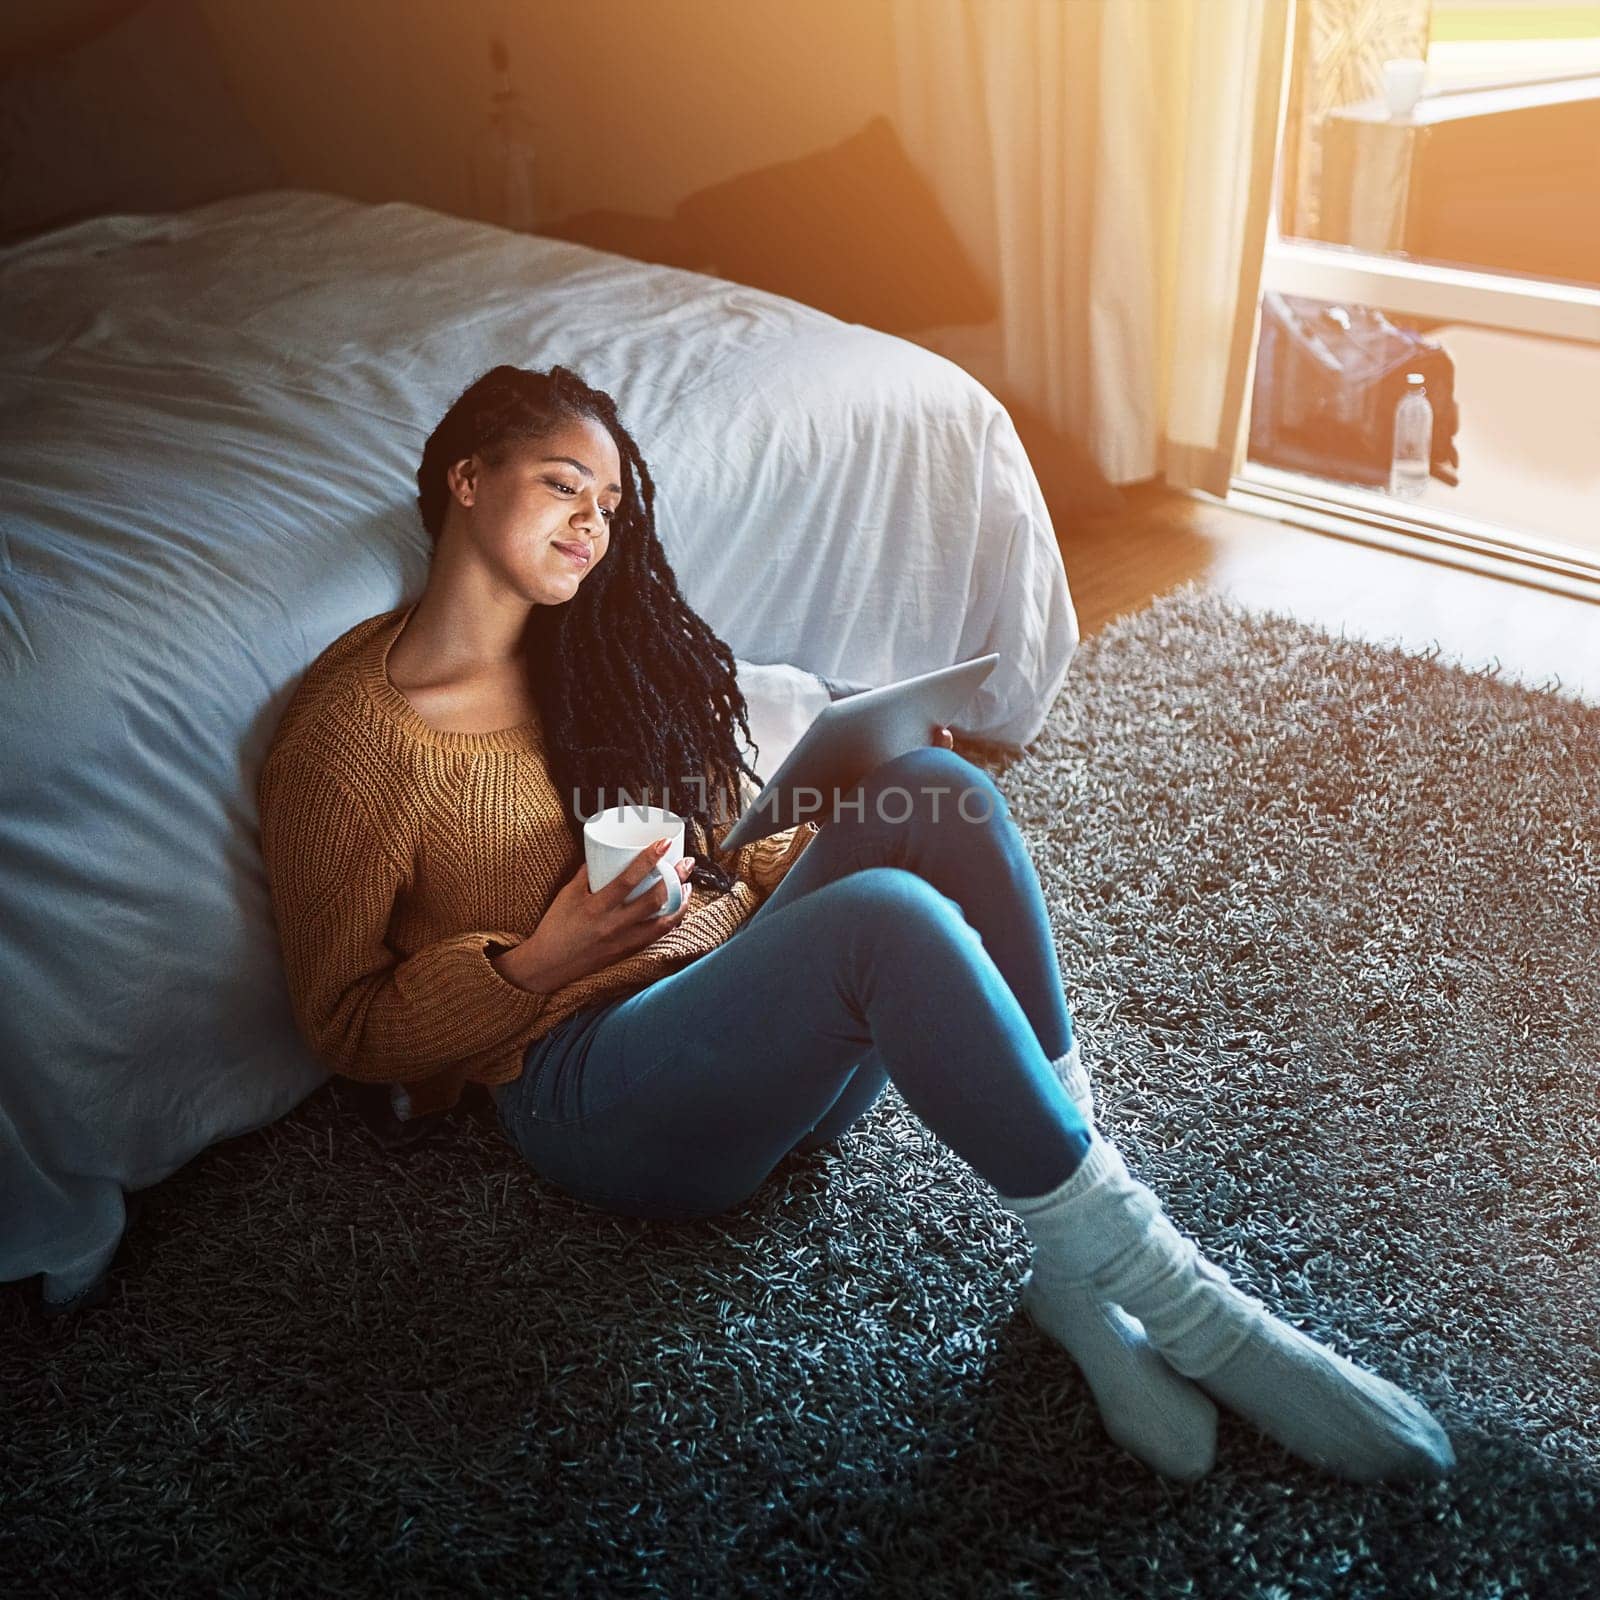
{"x":546,"y":504}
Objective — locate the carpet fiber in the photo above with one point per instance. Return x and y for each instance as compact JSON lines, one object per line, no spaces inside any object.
{"x":1328,"y":916}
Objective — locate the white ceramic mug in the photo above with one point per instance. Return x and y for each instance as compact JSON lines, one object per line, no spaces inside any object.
{"x":612,"y":838}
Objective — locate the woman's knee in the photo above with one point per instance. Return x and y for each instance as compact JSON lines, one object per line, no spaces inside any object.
{"x":894,"y":923}
{"x":932,"y":784}
{"x":893,"y":898}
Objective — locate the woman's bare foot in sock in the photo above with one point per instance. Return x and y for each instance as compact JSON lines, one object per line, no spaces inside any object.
{"x":1323,"y":1407}
{"x":1145,"y":1407}
{"x":1156,"y":1416}
{"x":1104,"y":1233}
{"x":1317,"y":1404}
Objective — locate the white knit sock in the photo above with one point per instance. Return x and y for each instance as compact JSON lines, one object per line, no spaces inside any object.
{"x":1104,"y":1233}
{"x":1144,"y":1405}
{"x":1075,"y":1080}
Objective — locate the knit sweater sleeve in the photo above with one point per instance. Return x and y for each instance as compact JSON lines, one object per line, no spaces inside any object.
{"x":764,"y":862}
{"x":333,"y":879}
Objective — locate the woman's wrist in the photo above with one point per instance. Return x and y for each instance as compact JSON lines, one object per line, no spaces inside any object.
{"x":503,"y":958}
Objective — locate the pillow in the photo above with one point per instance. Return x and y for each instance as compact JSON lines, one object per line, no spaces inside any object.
{"x":138,"y":119}
{"x":664,"y":240}
{"x":781,"y":702}
{"x":852,"y":230}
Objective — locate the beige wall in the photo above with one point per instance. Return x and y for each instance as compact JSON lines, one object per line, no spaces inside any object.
{"x":639,"y":102}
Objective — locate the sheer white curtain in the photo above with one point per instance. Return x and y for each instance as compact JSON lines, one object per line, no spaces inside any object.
{"x":1109,"y":164}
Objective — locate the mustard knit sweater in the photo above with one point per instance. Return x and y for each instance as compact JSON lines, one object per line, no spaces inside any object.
{"x":397,"y":855}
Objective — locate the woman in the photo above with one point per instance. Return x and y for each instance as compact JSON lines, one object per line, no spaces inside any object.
{"x":422,"y":810}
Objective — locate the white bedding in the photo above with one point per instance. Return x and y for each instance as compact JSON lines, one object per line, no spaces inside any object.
{"x":209,"y":426}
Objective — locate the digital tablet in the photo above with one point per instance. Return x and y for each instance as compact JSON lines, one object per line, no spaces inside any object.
{"x":848,"y":738}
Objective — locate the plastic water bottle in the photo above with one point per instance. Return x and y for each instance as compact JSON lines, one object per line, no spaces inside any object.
{"x":1413,"y":441}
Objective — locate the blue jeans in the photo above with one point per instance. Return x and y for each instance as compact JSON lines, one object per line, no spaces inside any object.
{"x":909,"y":941}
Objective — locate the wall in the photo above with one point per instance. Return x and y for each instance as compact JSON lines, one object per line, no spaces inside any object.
{"x":639,"y":102}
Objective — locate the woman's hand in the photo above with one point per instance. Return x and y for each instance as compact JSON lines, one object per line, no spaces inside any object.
{"x":581,"y":932}
{"x":943,"y":737}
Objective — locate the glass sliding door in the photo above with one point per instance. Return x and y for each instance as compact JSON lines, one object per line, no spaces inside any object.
{"x":1437,"y":213}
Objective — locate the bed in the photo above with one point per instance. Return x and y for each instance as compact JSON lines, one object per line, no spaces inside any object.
{"x":211,"y":421}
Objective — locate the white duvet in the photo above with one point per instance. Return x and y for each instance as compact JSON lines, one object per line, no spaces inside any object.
{"x":209,"y":427}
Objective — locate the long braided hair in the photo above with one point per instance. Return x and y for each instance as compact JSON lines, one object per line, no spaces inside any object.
{"x":637,"y":696}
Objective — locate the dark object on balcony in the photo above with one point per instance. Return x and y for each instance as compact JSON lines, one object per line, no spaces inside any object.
{"x":1328,"y":379}
{"x":1504,"y":176}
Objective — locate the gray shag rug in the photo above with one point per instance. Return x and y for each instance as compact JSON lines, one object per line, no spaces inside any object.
{"x":1328,"y":915}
